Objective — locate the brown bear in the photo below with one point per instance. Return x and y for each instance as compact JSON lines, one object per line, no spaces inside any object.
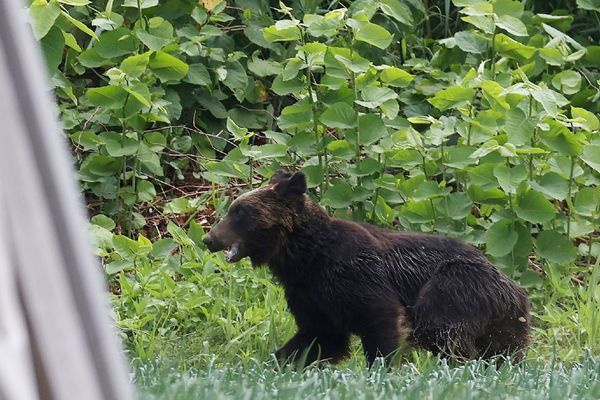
{"x":393,"y":289}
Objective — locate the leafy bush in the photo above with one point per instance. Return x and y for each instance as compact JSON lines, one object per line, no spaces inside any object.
{"x":476,"y":119}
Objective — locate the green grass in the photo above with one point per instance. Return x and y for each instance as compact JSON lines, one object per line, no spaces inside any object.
{"x":207,"y":330}
{"x":434,"y":379}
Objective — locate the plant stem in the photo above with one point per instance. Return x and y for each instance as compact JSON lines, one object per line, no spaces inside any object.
{"x":494,"y":53}
{"x":532,"y":140}
{"x":569,"y":196}
{"x":141,"y":14}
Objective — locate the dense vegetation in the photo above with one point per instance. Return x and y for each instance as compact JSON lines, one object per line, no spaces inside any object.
{"x":476,"y":119}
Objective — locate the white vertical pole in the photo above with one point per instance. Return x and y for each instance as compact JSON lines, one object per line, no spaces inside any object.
{"x":77,"y":355}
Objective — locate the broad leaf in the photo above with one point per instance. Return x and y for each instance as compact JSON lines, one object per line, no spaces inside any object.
{"x":500,"y":238}
{"x":534,"y":207}
{"x":452,"y":97}
{"x":370,"y":33}
{"x":42,"y":16}
{"x":339,"y":115}
{"x":167,"y":67}
{"x":555,"y":247}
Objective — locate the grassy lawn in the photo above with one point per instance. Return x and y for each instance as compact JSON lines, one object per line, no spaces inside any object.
{"x":435,"y":379}
{"x":211,"y":335}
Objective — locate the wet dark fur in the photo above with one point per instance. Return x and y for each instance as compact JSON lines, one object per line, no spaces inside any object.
{"x":392,"y":289}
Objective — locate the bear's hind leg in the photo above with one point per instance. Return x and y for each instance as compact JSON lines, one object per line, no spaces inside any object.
{"x":387,"y":331}
{"x":451,"y":340}
{"x":452,"y":310}
{"x":309,"y":348}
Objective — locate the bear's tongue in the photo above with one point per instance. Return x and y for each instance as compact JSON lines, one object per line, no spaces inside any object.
{"x":234,"y":253}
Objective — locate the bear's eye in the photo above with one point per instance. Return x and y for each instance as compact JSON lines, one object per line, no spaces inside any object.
{"x":239,"y":213}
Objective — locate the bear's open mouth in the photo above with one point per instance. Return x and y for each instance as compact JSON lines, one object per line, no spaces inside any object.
{"x":234,"y":252}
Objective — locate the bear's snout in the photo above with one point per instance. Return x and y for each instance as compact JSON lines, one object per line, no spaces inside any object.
{"x":210,"y":244}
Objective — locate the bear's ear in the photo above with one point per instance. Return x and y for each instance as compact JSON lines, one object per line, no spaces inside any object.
{"x":293,"y":186}
{"x":280,"y":176}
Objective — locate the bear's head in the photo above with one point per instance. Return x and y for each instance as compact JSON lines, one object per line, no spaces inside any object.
{"x":258,"y":222}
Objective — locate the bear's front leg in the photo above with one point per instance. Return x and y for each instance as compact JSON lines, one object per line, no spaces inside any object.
{"x":308,"y":348}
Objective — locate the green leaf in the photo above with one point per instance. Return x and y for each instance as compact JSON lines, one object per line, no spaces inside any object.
{"x":397,"y":10}
{"x":103,"y":221}
{"x":264,"y":68}
{"x":198,"y":75}
{"x":429,"y":190}
{"x":180,"y":205}
{"x":552,"y":185}
{"x":80,"y":25}
{"x":112,"y":97}
{"x":568,"y":82}
{"x":354,"y":63}
{"x":452,"y":97}
{"x":338,"y":195}
{"x":71,"y":41}
{"x":585,"y":119}
{"x":370,"y":128}
{"x":530,"y":278}
{"x":390,"y":109}
{"x":383,"y":211}
{"x":493,"y":93}
{"x":549,"y":99}
{"x":42,"y":16}
{"x":53,"y":45}
{"x":167,"y":67}
{"x":512,"y":25}
{"x":396,"y":77}
{"x":282,"y":87}
{"x":370,"y":33}
{"x":485,"y":23}
{"x":158,"y":35}
{"x":552,"y":56}
{"x":75,"y":3}
{"x":102,"y":165}
{"x":510,"y":178}
{"x":339,"y":115}
{"x":417,"y":212}
{"x":470,"y":42}
{"x":119,"y":144}
{"x":373,"y":96}
{"x":236,"y":79}
{"x":199,"y":14}
{"x":500,"y":238}
{"x":511,"y":48}
{"x":267,"y":151}
{"x":591,"y":156}
{"x":524,"y":244}
{"x":143,"y":4}
{"x":555,"y":247}
{"x":318,"y":25}
{"x":587,"y":201}
{"x":134,"y":66}
{"x":228,"y":169}
{"x":282,"y":31}
{"x":115,"y":43}
{"x":341,"y":149}
{"x":238,"y":132}
{"x":458,"y":205}
{"x":519,"y":127}
{"x":292,"y":68}
{"x":534,"y":207}
{"x":561,"y":139}
{"x":592,"y":5}
{"x":179,"y":234}
{"x":163,"y":247}
{"x":145,"y":191}
{"x":297,"y":116}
